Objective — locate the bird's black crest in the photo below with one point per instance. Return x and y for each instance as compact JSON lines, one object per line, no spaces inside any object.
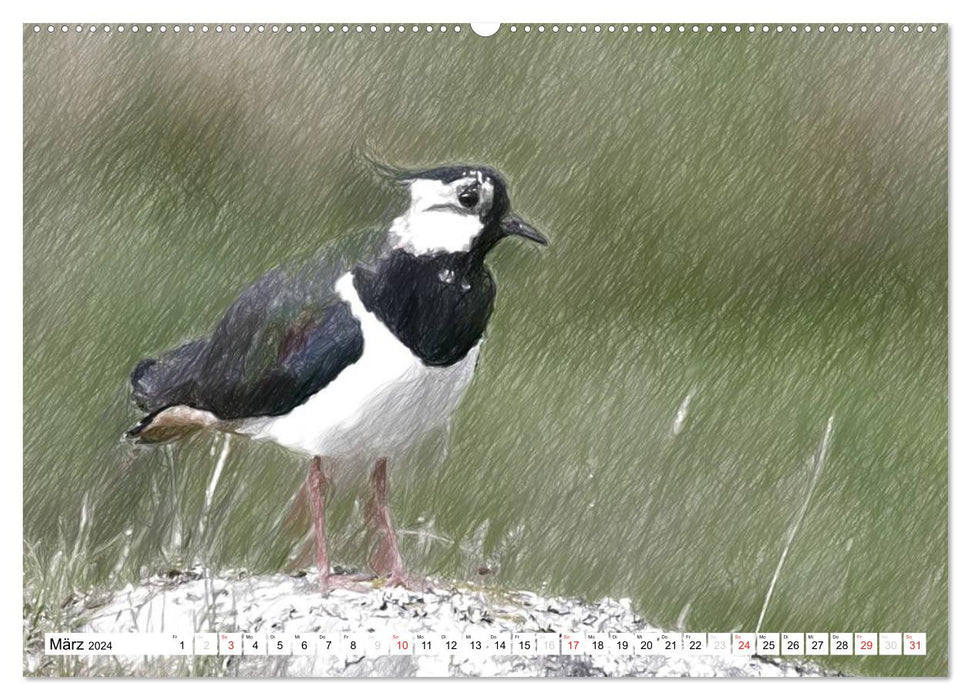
{"x":450,"y":173}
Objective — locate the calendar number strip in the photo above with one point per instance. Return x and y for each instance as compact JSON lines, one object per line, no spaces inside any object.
{"x":486,"y":643}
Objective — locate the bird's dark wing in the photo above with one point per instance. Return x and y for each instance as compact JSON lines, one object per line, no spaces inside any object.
{"x":285,"y":338}
{"x":273,"y":351}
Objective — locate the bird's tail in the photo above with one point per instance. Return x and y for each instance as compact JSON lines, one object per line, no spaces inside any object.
{"x":171,"y":423}
{"x":164,"y":388}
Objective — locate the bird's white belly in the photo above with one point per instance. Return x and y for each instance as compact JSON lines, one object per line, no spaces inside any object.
{"x":376,"y":406}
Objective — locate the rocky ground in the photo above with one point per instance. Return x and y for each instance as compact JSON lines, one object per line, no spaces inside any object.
{"x":188,"y":602}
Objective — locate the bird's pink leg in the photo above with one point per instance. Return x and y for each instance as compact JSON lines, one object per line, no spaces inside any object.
{"x":320,"y":478}
{"x":385,"y":557}
{"x":318,"y":488}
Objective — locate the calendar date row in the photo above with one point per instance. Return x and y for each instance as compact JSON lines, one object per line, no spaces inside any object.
{"x":390,"y":643}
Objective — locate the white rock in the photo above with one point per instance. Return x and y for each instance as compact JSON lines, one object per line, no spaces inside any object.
{"x":239,"y":603}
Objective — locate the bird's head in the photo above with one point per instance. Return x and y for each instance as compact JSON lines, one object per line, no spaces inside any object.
{"x":453,"y":209}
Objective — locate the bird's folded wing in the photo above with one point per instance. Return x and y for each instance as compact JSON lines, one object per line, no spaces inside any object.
{"x":283,"y":340}
{"x":286,"y":337}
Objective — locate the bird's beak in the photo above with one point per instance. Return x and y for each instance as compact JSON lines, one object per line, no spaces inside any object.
{"x":514,"y":226}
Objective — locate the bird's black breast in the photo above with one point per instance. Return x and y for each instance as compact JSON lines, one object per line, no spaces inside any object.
{"x":438,"y":306}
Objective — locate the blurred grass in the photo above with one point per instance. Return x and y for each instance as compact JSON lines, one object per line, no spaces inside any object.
{"x":759,"y":222}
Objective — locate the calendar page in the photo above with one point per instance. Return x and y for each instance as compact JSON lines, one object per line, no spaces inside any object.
{"x":536,"y":349}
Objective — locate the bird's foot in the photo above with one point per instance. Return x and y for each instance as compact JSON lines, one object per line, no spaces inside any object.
{"x":399,"y":577}
{"x":358,"y":582}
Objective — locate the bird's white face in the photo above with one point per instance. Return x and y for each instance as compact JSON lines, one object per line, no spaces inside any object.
{"x":443,"y":217}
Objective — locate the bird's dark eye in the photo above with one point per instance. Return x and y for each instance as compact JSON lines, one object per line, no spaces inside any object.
{"x":469,"y":197}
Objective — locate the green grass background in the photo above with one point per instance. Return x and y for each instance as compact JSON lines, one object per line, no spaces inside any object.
{"x":757,"y":221}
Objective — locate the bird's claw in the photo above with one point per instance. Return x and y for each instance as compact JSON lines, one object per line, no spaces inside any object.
{"x":406,"y":580}
{"x":350,"y":582}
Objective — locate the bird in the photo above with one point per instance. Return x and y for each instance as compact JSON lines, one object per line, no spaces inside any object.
{"x":343,"y":356}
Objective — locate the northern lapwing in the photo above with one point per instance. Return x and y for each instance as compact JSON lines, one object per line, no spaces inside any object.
{"x":338,"y":357}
